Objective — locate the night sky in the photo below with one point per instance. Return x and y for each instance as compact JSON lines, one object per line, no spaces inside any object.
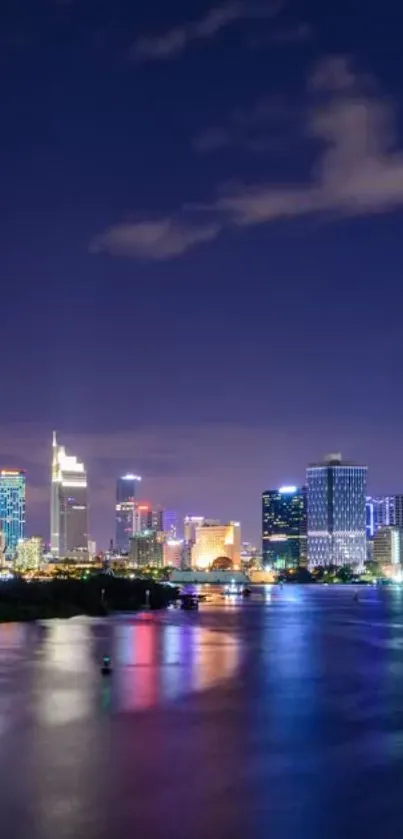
{"x":201,"y":246}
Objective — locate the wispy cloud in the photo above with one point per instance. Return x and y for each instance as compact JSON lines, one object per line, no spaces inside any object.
{"x":162,"y":239}
{"x":301,"y":33}
{"x":174,"y":41}
{"x":257,"y":128}
{"x":358,"y":170}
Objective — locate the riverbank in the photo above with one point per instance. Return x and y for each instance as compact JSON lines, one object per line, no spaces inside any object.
{"x":97,"y":596}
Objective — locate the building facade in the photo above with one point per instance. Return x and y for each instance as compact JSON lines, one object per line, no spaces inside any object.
{"x":12,"y":509}
{"x":388,"y":543}
{"x":284,"y":528}
{"x":173,"y":553}
{"x":29,"y":554}
{"x":146,"y":549}
{"x":336,"y":513}
{"x":124,"y":511}
{"x":69,"y":503}
{"x":147,"y":517}
{"x":384,"y":511}
{"x":213,"y":541}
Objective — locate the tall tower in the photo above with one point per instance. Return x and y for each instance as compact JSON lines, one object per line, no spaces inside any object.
{"x":336,"y":512}
{"x":69,"y":505}
{"x":284,"y":527}
{"x":12,"y":509}
{"x":124,"y":511}
{"x":55,"y":499}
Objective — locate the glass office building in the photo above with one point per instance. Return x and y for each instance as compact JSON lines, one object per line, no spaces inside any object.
{"x":124,"y":511}
{"x":336,"y":512}
{"x":384,"y":511}
{"x":284,"y":527}
{"x":12,"y":509}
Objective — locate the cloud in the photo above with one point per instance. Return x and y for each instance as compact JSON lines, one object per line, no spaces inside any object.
{"x":334,"y":73}
{"x":256,"y":129}
{"x":212,"y":139}
{"x":174,"y":41}
{"x":358,"y":170}
{"x":156,"y":240}
{"x":299,"y":34}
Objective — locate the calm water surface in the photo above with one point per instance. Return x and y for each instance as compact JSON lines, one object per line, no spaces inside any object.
{"x":278,"y":717}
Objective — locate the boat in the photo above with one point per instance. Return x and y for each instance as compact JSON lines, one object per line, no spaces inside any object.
{"x":189,"y":602}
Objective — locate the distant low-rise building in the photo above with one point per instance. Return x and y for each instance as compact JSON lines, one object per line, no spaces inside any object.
{"x":214,"y":541}
{"x":29,"y":554}
{"x":388,"y":544}
{"x":146,"y":548}
{"x":192,"y":577}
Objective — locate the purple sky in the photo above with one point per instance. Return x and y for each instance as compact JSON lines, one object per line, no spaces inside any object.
{"x":201,"y":246}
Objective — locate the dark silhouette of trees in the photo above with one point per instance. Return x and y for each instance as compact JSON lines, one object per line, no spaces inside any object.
{"x":222,"y":563}
{"x":97,"y":595}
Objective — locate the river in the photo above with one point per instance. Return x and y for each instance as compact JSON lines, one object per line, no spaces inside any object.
{"x":280,"y":717}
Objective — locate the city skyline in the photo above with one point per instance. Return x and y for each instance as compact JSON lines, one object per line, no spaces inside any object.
{"x":206,"y":496}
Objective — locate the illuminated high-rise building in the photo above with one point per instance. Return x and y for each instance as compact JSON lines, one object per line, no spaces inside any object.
{"x":336,"y":513}
{"x":147,"y":517}
{"x":383,"y":511}
{"x":69,"y":503}
{"x":216,"y":541}
{"x":12,"y":509}
{"x":284,"y":527}
{"x":125,"y":506}
{"x":146,"y":549}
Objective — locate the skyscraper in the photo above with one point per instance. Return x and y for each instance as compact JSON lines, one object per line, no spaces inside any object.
{"x":125,"y":505}
{"x":12,"y":509}
{"x":69,"y":505}
{"x":284,"y":527}
{"x":336,"y":512}
{"x":147,"y":517}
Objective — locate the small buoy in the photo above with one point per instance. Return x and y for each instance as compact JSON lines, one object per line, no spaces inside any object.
{"x":106,"y":668}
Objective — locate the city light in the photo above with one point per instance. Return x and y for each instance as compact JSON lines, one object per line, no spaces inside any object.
{"x":287,"y":490}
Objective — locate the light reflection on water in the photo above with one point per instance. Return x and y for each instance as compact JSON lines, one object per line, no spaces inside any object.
{"x":162,"y":662}
{"x":301,"y":733}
